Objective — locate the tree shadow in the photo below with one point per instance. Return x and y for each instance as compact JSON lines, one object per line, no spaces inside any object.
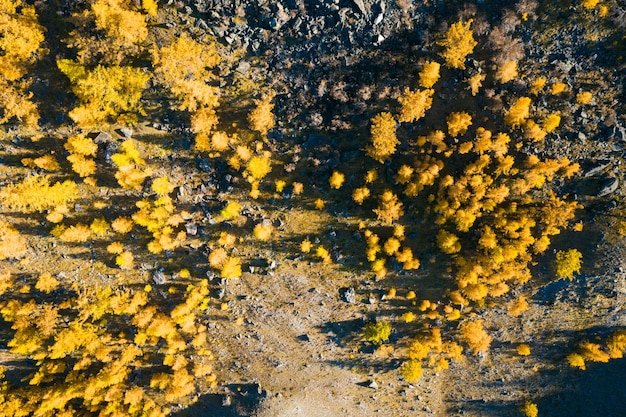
{"x":598,"y":391}
{"x":558,"y":389}
{"x":237,"y":400}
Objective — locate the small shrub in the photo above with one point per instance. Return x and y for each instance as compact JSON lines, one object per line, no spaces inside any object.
{"x":232,"y":210}
{"x":576,"y":360}
{"x":377,"y":333}
{"x":568,"y":263}
{"x":584,"y":97}
{"x":529,"y":409}
{"x":305,"y":246}
{"x":323,"y":253}
{"x":523,"y":349}
{"x":411,"y":370}
{"x":336,"y":180}
{"x":558,"y":88}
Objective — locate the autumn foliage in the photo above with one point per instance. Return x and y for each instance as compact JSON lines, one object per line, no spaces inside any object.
{"x":105,"y":93}
{"x":481,"y":198}
{"x":86,"y":361}
{"x":458,"y":42}
{"x":20,"y":47}
{"x":383,"y":134}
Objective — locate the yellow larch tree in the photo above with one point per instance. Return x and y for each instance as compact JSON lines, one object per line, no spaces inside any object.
{"x":261,"y":118}
{"x":390,"y":208}
{"x":474,"y":334}
{"x":109,"y":32}
{"x":105,"y":93}
{"x":458,"y":42}
{"x":12,"y":243}
{"x":383,"y":137}
{"x":506,"y":72}
{"x":429,"y":74}
{"x":183,"y":67}
{"x":35,"y":193}
{"x":115,"y":18}
{"x":458,"y":122}
{"x":20,"y":38}
{"x":519,"y":112}
{"x":414,"y":104}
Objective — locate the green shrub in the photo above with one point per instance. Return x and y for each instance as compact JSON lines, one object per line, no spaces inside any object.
{"x":377,"y":332}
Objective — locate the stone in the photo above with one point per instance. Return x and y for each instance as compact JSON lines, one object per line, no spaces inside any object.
{"x":159,"y":277}
{"x":597,"y":169}
{"x":361,"y":6}
{"x":349,"y":295}
{"x":610,"y":188}
{"x":103,"y":137}
{"x":243,"y":67}
{"x":127,"y":132}
{"x":191,"y":228}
